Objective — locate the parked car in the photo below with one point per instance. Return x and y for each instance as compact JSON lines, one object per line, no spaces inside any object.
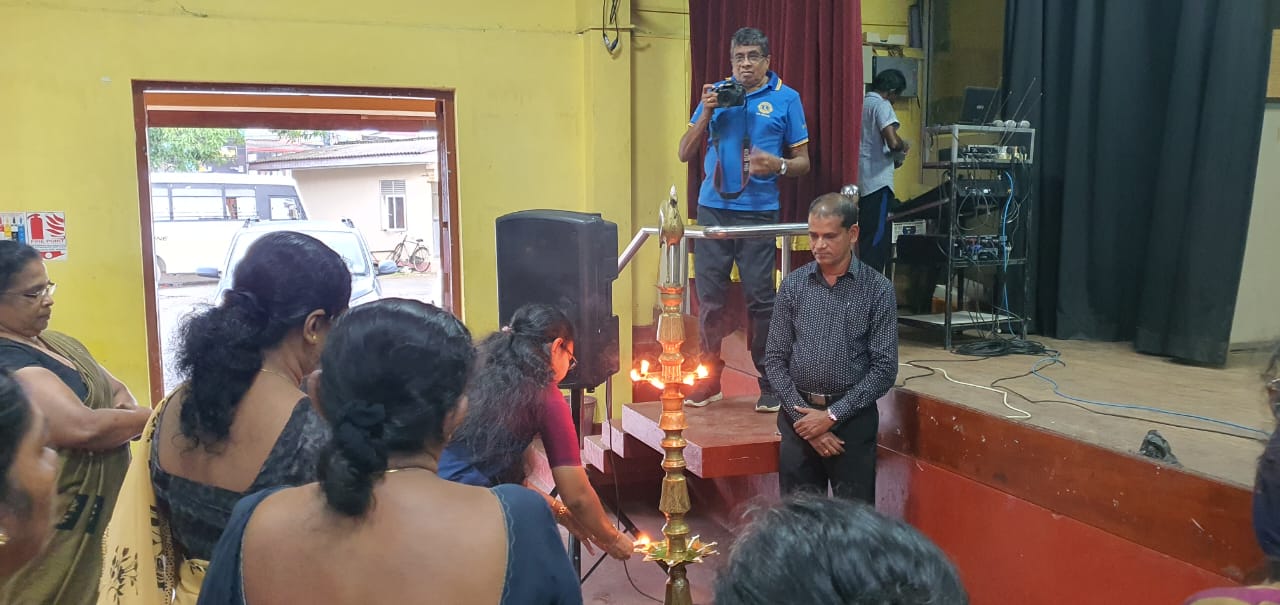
{"x":342,"y":238}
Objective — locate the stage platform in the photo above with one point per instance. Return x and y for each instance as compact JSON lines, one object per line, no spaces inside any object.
{"x":1096,"y":371}
{"x":1114,"y":373}
{"x":955,"y":462}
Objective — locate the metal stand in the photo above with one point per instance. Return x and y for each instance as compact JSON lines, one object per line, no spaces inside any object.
{"x":956,"y":266}
{"x":576,"y":399}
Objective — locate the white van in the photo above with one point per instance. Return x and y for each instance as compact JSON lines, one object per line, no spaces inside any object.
{"x":195,"y":215}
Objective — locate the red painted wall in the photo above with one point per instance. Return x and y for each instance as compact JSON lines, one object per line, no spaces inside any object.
{"x":1030,"y":516}
{"x":1011,"y":551}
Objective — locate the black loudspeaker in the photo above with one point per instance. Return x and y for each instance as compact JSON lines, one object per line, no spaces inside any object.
{"x":568,"y":260}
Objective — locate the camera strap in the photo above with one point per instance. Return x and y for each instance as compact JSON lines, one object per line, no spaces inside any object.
{"x":718,"y":177}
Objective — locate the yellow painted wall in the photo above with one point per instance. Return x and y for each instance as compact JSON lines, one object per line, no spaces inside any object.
{"x":531,"y":131}
{"x":660,"y":105}
{"x":545,"y":119}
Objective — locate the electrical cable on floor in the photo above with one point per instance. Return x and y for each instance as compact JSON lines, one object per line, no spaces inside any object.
{"x":1077,"y":402}
{"x":617,"y":498}
{"x":996,"y":383}
{"x":1004,"y":395}
{"x":997,"y":347}
{"x":1054,"y":360}
{"x":930,"y":372}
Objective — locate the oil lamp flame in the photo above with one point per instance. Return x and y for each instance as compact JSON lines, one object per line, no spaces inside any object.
{"x":689,"y":380}
{"x":658,"y":384}
{"x":635,"y":376}
{"x":702,"y":371}
{"x":644,"y":366}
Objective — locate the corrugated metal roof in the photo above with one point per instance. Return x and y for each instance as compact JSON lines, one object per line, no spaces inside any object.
{"x":407,"y":151}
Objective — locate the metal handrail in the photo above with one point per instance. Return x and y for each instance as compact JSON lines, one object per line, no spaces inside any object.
{"x":784,"y":230}
{"x":750,"y":231}
{"x":633,"y":247}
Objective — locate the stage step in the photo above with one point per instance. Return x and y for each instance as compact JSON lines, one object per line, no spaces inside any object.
{"x":725,"y":439}
{"x":624,"y":445}
{"x":606,"y":466}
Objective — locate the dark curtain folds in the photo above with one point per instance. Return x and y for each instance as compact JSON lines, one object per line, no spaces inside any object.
{"x":1149,"y":117}
{"x":816,"y":49}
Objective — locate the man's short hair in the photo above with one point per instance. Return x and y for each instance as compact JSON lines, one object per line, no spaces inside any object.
{"x":836,"y":204}
{"x":750,"y":36}
{"x":891,"y":81}
{"x":812,"y":549}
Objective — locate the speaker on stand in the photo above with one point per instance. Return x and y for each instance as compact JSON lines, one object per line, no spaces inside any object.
{"x":568,"y":260}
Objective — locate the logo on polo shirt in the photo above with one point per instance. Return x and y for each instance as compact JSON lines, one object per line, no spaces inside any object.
{"x":764,"y":108}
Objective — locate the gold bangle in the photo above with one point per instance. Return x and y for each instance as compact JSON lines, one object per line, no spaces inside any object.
{"x":560,"y":511}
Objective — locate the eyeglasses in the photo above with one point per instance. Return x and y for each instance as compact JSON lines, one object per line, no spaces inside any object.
{"x":45,"y":292}
{"x":751,"y":58}
{"x":573,"y":361}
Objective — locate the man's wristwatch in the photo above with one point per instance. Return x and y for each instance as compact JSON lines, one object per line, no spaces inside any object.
{"x":783,"y":169}
{"x":832,"y":416}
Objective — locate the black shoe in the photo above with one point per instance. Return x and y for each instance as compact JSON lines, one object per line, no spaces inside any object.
{"x":768,"y":403}
{"x":706,"y":391}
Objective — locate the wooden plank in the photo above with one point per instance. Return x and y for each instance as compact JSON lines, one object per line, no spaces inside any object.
{"x":289,"y":103}
{"x":725,"y":439}
{"x":286,"y":121}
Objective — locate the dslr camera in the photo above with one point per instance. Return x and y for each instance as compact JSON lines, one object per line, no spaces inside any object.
{"x":730,"y":94}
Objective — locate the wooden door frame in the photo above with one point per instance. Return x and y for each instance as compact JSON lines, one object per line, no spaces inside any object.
{"x":446,"y":141}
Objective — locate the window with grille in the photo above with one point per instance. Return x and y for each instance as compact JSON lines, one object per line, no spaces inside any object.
{"x":393,"y":194}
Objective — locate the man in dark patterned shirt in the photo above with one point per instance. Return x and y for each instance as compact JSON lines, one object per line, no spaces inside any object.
{"x":832,"y":352}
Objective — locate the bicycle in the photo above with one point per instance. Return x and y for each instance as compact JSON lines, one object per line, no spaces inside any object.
{"x":418,"y":261}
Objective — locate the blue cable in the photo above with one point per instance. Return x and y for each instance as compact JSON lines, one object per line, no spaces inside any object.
{"x":1041,"y":364}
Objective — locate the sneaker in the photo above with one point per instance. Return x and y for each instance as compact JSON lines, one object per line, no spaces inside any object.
{"x":768,"y":403}
{"x":706,"y":391}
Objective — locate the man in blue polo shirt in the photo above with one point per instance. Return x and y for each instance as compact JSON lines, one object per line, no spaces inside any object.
{"x":749,"y":145}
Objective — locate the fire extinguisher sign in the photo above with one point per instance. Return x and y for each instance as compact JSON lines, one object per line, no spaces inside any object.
{"x":47,"y":232}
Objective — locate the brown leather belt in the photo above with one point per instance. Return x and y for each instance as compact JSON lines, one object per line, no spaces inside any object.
{"x":819,"y":400}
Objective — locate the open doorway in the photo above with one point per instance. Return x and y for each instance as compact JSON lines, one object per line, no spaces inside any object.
{"x":367,"y":171}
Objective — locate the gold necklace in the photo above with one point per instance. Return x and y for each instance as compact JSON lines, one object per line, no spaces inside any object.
{"x":291,"y":381}
{"x":408,"y":467}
